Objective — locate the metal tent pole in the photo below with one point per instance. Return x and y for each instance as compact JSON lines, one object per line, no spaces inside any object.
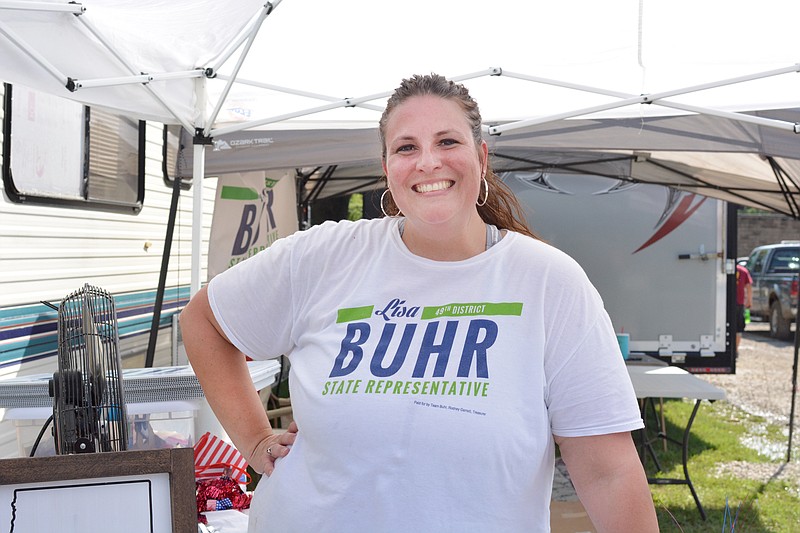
{"x":199,"y":171}
{"x":162,"y":278}
{"x":251,"y":35}
{"x":794,"y":378}
{"x":198,"y":174}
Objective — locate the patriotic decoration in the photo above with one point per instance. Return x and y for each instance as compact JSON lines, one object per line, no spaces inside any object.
{"x":218,"y":495}
{"x":214,"y":458}
{"x":221,"y":505}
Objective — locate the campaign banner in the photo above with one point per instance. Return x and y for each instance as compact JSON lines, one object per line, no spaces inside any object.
{"x":252,"y":210}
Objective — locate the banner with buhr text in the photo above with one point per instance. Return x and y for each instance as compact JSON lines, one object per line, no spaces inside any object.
{"x":252,"y":210}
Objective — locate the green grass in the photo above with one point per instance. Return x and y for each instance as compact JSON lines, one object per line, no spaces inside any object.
{"x":718,"y":435}
{"x":355,"y":207}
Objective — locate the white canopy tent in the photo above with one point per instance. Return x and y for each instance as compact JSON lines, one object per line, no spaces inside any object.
{"x":642,"y":89}
{"x":638,"y":79}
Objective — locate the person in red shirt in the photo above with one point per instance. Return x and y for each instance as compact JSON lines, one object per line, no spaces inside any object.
{"x":744,"y":299}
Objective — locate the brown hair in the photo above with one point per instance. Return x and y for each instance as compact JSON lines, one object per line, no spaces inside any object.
{"x":502,"y":208}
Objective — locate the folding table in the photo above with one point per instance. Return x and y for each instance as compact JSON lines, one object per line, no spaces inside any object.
{"x":655,"y":381}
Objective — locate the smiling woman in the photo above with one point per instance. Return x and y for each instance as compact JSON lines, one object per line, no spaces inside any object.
{"x":438,"y":171}
{"x":434,"y":172}
{"x":437,"y":357}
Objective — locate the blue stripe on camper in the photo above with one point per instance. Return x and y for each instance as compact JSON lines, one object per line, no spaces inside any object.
{"x":30,"y":332}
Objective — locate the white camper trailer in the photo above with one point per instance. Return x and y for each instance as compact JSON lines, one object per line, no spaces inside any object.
{"x":661,"y":260}
{"x":62,"y":227}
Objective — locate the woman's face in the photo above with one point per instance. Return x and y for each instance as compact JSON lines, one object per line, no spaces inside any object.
{"x":432,"y":164}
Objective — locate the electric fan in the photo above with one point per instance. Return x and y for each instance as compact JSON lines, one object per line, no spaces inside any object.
{"x":89,"y":412}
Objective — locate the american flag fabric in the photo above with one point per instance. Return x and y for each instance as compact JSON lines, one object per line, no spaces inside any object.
{"x":215,"y":458}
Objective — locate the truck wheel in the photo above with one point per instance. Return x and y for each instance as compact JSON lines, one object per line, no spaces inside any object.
{"x":778,"y":326}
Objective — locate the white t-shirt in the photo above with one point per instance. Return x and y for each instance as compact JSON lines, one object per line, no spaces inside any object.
{"x":426,"y":393}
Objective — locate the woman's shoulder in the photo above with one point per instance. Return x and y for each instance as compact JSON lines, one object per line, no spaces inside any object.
{"x":341,"y":234}
{"x":347,"y":228}
{"x":537,"y":248}
{"x":542,"y":258}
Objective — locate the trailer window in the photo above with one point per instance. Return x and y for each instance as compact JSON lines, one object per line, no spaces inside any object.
{"x":60,"y":152}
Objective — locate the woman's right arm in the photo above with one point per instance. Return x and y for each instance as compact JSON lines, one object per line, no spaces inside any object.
{"x":222,"y":371}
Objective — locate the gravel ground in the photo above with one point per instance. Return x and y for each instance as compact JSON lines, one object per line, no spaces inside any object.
{"x":762,"y":386}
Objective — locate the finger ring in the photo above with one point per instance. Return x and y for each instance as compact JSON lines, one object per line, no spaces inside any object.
{"x":269,"y":452}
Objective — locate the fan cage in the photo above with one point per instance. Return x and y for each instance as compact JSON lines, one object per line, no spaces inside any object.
{"x":89,"y":412}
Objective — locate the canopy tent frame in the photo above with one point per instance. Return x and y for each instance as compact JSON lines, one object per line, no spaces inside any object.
{"x":625,"y":100}
{"x":780,"y":175}
{"x":247,"y":35}
{"x":326,"y":176}
{"x":72,"y":84}
{"x":783,"y":178}
{"x":297,"y":92}
{"x":369,"y":179}
{"x":654,"y":98}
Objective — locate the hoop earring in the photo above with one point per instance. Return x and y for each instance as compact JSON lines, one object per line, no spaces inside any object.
{"x":485,"y":196}
{"x":383,"y":210}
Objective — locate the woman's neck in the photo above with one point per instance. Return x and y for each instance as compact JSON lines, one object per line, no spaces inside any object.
{"x":446,"y":243}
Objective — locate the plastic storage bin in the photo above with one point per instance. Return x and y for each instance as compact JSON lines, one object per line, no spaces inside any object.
{"x":155,"y":426}
{"x":165,"y":406}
